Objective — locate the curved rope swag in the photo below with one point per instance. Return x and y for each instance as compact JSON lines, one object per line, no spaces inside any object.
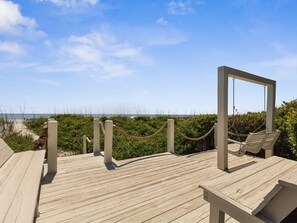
{"x":124,"y":133}
{"x":244,"y":135}
{"x":194,"y":139}
{"x":102,"y":127}
{"x":237,"y":134}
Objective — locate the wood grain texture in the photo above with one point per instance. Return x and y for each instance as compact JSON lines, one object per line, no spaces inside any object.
{"x":5,"y":152}
{"x":20,"y":179}
{"x":158,"y":188}
{"x":253,"y":188}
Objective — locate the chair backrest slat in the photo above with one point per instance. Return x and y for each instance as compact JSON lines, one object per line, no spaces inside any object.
{"x":5,"y":152}
{"x":254,"y":142}
{"x":271,"y":139}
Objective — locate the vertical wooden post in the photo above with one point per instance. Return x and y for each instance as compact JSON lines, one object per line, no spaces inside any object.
{"x":170,"y":135}
{"x":216,"y":215}
{"x":52,"y":146}
{"x":222,"y":138}
{"x":108,"y":141}
{"x":270,"y":114}
{"x":96,"y":135}
{"x":84,"y":144}
{"x":215,"y":135}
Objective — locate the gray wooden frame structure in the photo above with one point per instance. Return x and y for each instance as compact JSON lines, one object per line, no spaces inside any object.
{"x":222,"y":135}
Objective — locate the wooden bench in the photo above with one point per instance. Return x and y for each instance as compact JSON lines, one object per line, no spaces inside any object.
{"x":263,"y":192}
{"x":254,"y":143}
{"x":20,"y":176}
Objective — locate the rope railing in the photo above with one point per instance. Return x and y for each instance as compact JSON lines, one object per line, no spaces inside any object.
{"x":124,"y":133}
{"x":237,"y":134}
{"x":86,"y":140}
{"x":102,"y":127}
{"x":194,"y":139}
{"x":243,"y":135}
{"x":89,"y":140}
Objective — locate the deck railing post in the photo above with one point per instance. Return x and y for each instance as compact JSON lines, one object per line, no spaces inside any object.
{"x":52,"y":146}
{"x":108,"y":141}
{"x":170,"y":135}
{"x":215,"y":135}
{"x":84,"y":144}
{"x":96,"y":135}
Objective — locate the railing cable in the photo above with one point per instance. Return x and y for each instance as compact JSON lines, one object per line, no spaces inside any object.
{"x":123,"y":132}
{"x":194,"y":139}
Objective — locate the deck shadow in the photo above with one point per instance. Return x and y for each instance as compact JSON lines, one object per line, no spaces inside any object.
{"x":48,"y":178}
{"x":111,"y":166}
{"x":233,"y":169}
{"x":143,"y":158}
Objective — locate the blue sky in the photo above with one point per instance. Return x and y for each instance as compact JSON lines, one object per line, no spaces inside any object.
{"x":142,"y":56}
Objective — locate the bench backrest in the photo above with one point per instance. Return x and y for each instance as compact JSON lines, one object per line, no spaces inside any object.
{"x":254,"y":142}
{"x":5,"y":152}
{"x":271,"y":139}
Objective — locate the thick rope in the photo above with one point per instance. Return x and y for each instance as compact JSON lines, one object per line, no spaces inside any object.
{"x":123,"y":132}
{"x":89,"y":140}
{"x":237,"y":134}
{"x":244,"y":135}
{"x":102,"y":127}
{"x":194,"y":139}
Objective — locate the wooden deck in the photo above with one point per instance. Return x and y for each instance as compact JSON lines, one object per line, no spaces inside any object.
{"x":159,"y":188}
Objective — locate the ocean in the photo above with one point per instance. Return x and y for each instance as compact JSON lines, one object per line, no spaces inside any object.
{"x":22,"y":116}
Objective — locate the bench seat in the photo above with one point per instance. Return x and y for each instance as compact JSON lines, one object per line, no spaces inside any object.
{"x":20,"y":178}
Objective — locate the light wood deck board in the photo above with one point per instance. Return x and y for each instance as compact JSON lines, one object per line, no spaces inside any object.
{"x":159,"y":189}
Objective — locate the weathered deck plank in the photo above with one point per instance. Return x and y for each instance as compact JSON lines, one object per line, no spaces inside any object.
{"x":160,"y":188}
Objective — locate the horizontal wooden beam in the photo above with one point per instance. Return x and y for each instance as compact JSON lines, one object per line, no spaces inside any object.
{"x":245,"y":76}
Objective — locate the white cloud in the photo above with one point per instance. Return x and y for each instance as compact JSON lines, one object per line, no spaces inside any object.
{"x":50,"y":82}
{"x":72,"y":3}
{"x":287,"y":63}
{"x":128,"y":52}
{"x":161,"y":21}
{"x":12,"y":48}
{"x":83,"y":53}
{"x":101,"y":55}
{"x":180,"y":8}
{"x":11,"y":19}
{"x":284,"y":68}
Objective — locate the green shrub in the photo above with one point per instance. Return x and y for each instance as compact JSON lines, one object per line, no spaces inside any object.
{"x":291,"y":124}
{"x":35,"y":124}
{"x":19,"y":143}
{"x":71,"y":128}
{"x":194,"y":127}
{"x":285,"y":145}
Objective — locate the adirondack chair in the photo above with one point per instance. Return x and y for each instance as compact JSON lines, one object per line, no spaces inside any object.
{"x":263,"y":192}
{"x":254,"y":143}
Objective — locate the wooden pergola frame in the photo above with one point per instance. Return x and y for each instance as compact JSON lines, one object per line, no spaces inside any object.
{"x":222,"y":134}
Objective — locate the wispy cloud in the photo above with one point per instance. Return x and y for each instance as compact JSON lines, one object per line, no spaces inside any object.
{"x":102,"y":55}
{"x":50,"y":82}
{"x":72,"y":3}
{"x":161,"y":21}
{"x":12,"y":48}
{"x":284,"y":68}
{"x":180,"y":8}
